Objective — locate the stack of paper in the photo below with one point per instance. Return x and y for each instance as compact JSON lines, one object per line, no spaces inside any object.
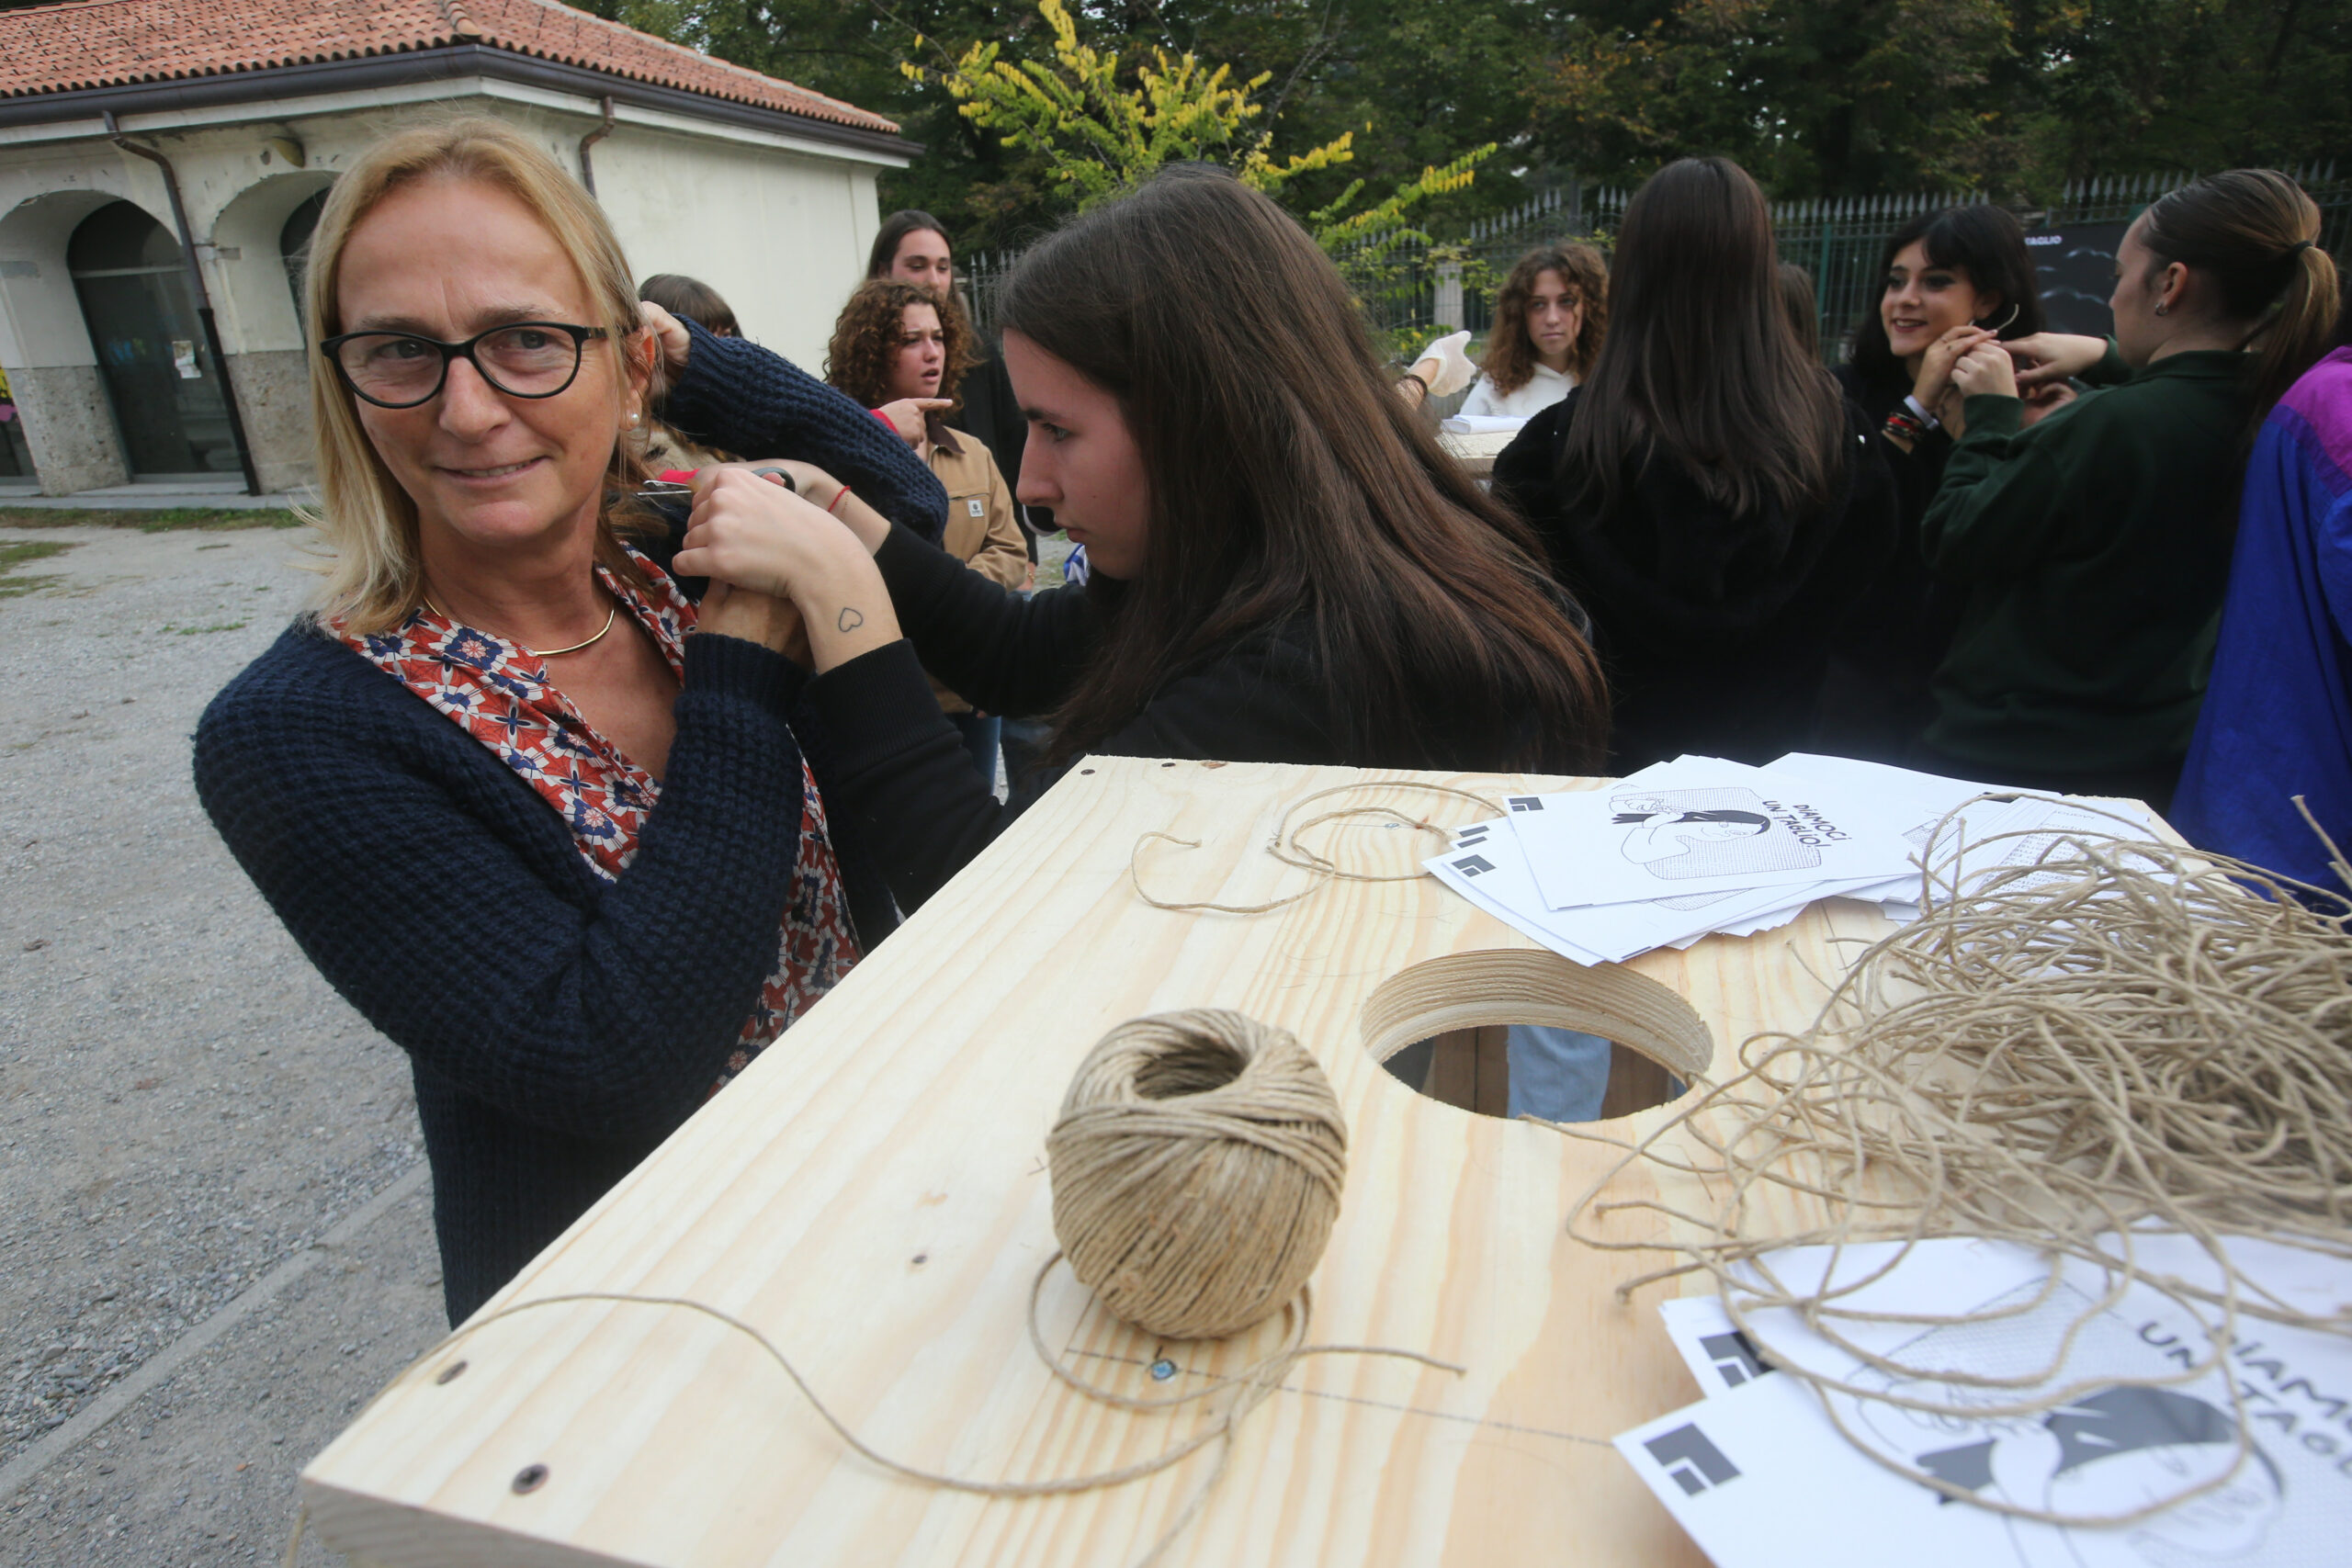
{"x":1700,"y":846}
{"x":1760,"y":1474}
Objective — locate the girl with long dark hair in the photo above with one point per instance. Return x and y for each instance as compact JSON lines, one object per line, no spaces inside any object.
{"x":1286,"y":567}
{"x":2094,"y":546}
{"x":1707,"y":495}
{"x":1950,"y":279}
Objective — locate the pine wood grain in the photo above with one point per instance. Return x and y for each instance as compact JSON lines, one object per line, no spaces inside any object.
{"x":872,"y":1194}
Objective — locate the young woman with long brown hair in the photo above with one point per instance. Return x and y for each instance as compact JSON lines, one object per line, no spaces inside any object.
{"x":2094,"y":546}
{"x":1285,"y":566}
{"x":1550,"y":318}
{"x":1707,"y":494}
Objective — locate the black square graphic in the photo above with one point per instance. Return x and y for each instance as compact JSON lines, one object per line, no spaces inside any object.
{"x":1734,"y":1356}
{"x":1689,"y":1457}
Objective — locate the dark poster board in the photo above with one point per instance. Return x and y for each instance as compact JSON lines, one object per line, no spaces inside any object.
{"x":2076,"y":268}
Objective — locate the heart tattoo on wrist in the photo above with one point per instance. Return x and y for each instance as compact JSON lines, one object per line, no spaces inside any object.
{"x":849,"y":620}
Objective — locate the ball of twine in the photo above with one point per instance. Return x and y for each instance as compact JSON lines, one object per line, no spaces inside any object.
{"x":1196,"y":1171}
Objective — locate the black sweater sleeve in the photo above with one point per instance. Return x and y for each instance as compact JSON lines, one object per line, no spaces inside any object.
{"x":1526,"y":475}
{"x":999,"y":652}
{"x":904,"y":772}
{"x":442,"y":898}
{"x":739,"y":397}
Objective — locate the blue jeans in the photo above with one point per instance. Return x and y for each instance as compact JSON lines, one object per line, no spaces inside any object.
{"x":980,"y":739}
{"x":1556,"y":1073}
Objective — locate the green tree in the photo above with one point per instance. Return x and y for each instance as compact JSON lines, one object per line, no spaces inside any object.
{"x":1099,"y":136}
{"x":1814,"y":96}
{"x":1829,"y":97}
{"x":1840,"y":97}
{"x":1415,"y":81}
{"x":2189,"y":84}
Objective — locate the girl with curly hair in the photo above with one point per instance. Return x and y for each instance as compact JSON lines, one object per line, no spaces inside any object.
{"x":896,"y":342}
{"x":1549,"y":320}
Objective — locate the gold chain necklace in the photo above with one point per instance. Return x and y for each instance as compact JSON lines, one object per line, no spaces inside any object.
{"x":551,"y":652}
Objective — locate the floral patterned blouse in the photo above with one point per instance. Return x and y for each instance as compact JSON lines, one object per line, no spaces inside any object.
{"x":499,"y":692}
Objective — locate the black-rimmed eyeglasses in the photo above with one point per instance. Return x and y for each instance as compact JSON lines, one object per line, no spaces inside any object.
{"x":400,"y":370}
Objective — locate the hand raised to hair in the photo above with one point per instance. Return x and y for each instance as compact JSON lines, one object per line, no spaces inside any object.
{"x":808,"y":481}
{"x":1935,"y":363}
{"x":1985,"y":371}
{"x":668,"y":333}
{"x":752,"y":534}
{"x":2054,"y":356}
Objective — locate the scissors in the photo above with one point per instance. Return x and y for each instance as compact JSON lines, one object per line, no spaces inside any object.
{"x":655,"y":489}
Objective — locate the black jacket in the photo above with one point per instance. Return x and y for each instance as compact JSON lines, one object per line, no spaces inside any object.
{"x":1713,"y":628}
{"x":1874,"y":700}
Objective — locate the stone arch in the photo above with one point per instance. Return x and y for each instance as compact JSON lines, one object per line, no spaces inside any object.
{"x":269,"y":362}
{"x":256,"y":309}
{"x":53,"y":366}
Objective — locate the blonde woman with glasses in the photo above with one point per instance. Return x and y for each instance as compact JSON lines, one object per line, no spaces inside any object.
{"x":547,"y":815}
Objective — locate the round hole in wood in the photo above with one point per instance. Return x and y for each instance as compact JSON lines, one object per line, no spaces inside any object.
{"x":1461,"y":1007}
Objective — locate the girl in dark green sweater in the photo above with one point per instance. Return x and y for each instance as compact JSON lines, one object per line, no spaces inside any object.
{"x":2094,"y":546}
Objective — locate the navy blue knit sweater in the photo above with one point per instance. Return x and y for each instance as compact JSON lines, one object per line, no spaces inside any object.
{"x":558,"y":1026}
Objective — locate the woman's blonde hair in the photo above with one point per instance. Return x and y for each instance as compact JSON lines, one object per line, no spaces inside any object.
{"x":367,"y":521}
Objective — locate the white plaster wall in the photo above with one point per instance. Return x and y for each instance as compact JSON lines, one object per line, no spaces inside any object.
{"x":781,"y":236}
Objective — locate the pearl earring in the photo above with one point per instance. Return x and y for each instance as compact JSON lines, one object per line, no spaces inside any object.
{"x":632,"y":419}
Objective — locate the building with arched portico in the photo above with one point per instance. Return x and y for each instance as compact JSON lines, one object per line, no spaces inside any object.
{"x":762,"y":189}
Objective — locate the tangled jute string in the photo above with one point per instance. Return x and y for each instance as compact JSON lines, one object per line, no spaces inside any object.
{"x":2117,"y":1035}
{"x":1287,"y":847}
{"x":1196,"y":1172}
{"x":1176,"y":1064}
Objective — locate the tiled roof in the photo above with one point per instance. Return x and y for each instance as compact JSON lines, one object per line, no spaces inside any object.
{"x":103,"y":43}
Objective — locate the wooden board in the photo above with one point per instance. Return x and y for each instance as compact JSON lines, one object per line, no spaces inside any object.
{"x":1477,"y":453}
{"x":871,"y":1195}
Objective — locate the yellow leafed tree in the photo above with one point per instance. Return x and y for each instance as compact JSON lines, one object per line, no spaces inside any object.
{"x":1099,"y":138}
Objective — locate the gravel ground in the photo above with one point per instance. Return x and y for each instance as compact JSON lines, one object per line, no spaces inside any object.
{"x":185,"y":1106}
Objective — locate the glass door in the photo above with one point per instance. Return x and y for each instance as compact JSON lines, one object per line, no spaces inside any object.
{"x":161,"y":378}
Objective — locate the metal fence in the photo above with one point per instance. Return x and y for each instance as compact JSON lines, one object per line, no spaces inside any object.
{"x":1837,"y":241}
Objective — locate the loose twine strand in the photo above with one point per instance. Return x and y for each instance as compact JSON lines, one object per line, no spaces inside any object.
{"x":2117,"y":1035}
{"x":1227,"y":1109}
{"x":1287,"y":847}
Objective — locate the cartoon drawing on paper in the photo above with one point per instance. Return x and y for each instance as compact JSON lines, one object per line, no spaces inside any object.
{"x":1675,"y":834}
{"x":2108,"y":1452}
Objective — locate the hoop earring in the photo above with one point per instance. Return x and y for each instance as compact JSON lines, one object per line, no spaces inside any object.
{"x":2004,"y":324}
